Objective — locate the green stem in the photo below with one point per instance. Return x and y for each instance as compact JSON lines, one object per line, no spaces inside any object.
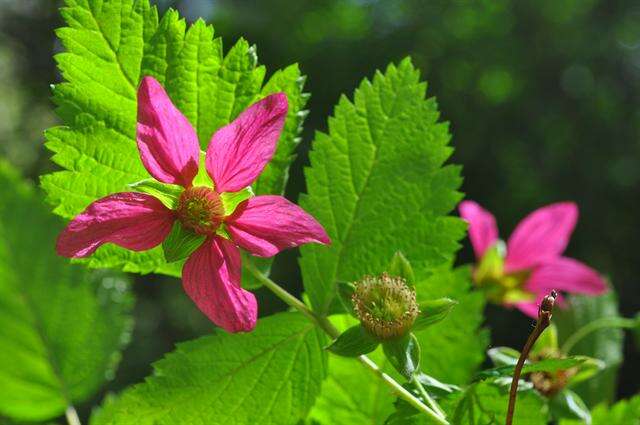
{"x":602,"y":323}
{"x":430,"y":401}
{"x":72,"y":416}
{"x":323,"y":323}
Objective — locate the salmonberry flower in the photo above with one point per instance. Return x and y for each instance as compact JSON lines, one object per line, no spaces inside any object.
{"x":531,"y":264}
{"x":236,"y":155}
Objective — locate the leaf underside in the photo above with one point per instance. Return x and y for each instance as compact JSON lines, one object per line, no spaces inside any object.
{"x":61,"y":327}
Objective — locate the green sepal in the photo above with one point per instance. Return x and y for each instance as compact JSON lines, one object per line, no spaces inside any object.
{"x":503,"y":356}
{"x":568,"y":405}
{"x":168,"y":194}
{"x":180,"y":243}
{"x":400,"y":267}
{"x":345,"y":291}
{"x":491,"y":266}
{"x":231,"y":200}
{"x":433,"y":311}
{"x":203,"y":178}
{"x":403,"y":354}
{"x":353,"y":342}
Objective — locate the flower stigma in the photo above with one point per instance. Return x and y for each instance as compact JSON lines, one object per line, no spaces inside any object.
{"x":200,"y":209}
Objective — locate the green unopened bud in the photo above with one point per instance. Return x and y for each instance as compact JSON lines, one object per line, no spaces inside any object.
{"x":385,"y":305}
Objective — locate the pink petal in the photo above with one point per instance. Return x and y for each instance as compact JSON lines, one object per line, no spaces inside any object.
{"x":135,"y":221}
{"x":483,"y":231}
{"x":565,"y":274}
{"x":541,"y":236}
{"x":211,"y":277}
{"x":265,"y":225}
{"x":168,"y":144}
{"x":238,"y":152}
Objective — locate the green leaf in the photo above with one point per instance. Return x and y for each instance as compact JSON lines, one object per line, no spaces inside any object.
{"x":503,"y":356}
{"x":605,"y":344}
{"x":545,"y":365}
{"x":61,"y":327}
{"x":109,"y":47}
{"x":453,"y":350}
{"x":168,"y":194}
{"x":433,"y":311}
{"x":269,"y":376}
{"x":353,"y":342}
{"x":479,"y":404}
{"x":624,"y":412}
{"x":378,"y":185}
{"x":403,"y":354}
{"x":180,"y":243}
{"x":400,"y":267}
{"x":567,"y":404}
{"x":350,"y":394}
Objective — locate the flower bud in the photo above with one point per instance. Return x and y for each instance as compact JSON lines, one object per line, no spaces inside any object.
{"x":385,"y":305}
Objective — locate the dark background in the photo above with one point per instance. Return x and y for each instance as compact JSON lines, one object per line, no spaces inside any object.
{"x":542,"y":96}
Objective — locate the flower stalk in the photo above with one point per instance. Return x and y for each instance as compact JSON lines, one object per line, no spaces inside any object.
{"x":323,"y":323}
{"x":544,"y":319}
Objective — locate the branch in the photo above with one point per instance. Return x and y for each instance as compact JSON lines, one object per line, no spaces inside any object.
{"x":544,"y":319}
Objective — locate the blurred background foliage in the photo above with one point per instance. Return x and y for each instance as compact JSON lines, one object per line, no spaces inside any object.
{"x":543,"y":98}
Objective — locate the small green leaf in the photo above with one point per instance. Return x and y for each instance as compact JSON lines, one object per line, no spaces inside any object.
{"x":403,"y":354}
{"x":231,"y":200}
{"x":400,"y":267}
{"x":503,"y":356}
{"x":432,"y":385}
{"x":168,"y":194}
{"x":353,"y":342}
{"x":180,"y":243}
{"x":345,"y":292}
{"x":546,"y":365}
{"x":589,"y":368}
{"x":567,"y":404}
{"x":433,"y":311}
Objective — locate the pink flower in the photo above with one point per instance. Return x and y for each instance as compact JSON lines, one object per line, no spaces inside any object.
{"x":533,"y":264}
{"x":235,"y":157}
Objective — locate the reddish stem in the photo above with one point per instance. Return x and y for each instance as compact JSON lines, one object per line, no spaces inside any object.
{"x":544,"y":319}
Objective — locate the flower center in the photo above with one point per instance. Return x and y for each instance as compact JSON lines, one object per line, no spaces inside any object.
{"x":499,"y":286}
{"x":200,"y":209}
{"x":385,"y":305}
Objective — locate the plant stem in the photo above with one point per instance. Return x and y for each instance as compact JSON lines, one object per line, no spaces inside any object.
{"x":602,"y":323}
{"x":323,"y":323}
{"x":544,"y":319}
{"x":72,"y":416}
{"x":432,"y":403}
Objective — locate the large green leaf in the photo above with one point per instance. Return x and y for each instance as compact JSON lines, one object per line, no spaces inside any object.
{"x":378,"y":185}
{"x":605,"y":344}
{"x":110,"y":45}
{"x":351,"y":394}
{"x":453,"y":349}
{"x":61,"y":328}
{"x":269,"y":376}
